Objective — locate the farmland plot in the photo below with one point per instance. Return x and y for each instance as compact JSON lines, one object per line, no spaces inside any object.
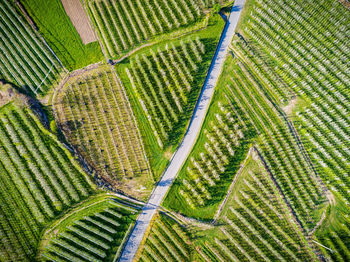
{"x":314,"y":70}
{"x":167,"y":241}
{"x":93,"y":233}
{"x":122,"y":25}
{"x":24,"y":59}
{"x":256,"y":224}
{"x":39,"y":180}
{"x":94,"y":114}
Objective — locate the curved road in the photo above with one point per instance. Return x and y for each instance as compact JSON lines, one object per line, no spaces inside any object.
{"x":148,"y":211}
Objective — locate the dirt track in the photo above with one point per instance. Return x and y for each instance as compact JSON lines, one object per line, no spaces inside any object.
{"x":77,"y":15}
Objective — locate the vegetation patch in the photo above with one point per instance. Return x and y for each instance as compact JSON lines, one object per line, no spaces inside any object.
{"x":25,"y":60}
{"x":93,"y":111}
{"x":94,"y":231}
{"x":59,"y":32}
{"x":39,"y":178}
{"x":163,"y":82}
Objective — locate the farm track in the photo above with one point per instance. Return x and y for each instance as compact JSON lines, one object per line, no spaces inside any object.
{"x":158,"y":194}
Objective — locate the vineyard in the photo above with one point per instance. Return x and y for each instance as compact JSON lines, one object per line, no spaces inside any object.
{"x":95,"y":232}
{"x":167,"y":241}
{"x":122,"y":25}
{"x":24,"y":58}
{"x":39,"y":181}
{"x":96,"y":118}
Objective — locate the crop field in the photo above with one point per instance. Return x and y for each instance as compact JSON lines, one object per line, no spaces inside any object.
{"x":163,"y":83}
{"x":58,"y":30}
{"x":93,"y":233}
{"x":211,"y":166}
{"x":24,"y":58}
{"x":174,"y":130}
{"x":96,"y":118}
{"x":255,"y":225}
{"x":39,"y":180}
{"x":122,"y":25}
{"x":167,"y":241}
{"x":315,"y":71}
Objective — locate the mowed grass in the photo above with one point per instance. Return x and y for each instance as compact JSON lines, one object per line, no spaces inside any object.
{"x":39,"y":181}
{"x":167,"y":88}
{"x":95,"y":231}
{"x":62,"y":37}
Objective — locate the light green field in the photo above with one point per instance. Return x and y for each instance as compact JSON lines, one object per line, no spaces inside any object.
{"x":60,"y":34}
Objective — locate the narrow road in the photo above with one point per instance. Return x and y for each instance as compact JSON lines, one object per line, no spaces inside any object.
{"x":158,"y":194}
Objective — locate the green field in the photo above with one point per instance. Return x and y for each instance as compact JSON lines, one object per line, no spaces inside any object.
{"x":95,"y":116}
{"x":60,"y":34}
{"x":93,"y":231}
{"x":163,"y":82}
{"x":124,"y":25}
{"x":166,"y":241}
{"x":220,"y":148}
{"x":40,"y":180}
{"x":25,"y":60}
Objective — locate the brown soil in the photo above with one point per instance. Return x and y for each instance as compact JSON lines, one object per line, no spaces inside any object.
{"x":77,"y":15}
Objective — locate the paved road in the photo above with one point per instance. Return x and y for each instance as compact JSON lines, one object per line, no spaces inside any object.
{"x":185,"y":147}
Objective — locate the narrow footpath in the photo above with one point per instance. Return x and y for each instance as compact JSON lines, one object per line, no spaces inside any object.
{"x":158,"y":194}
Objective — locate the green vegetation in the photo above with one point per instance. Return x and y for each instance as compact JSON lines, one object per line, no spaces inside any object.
{"x":163,"y":82}
{"x":39,"y":178}
{"x":166,"y":241}
{"x":24,"y":59}
{"x":94,"y":231}
{"x":123,"y":25}
{"x":220,"y":148}
{"x":94,"y":114}
{"x":288,"y":44}
{"x":59,"y":32}
{"x":255,"y":224}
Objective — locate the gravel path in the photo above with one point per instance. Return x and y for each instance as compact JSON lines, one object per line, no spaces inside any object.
{"x":158,"y":194}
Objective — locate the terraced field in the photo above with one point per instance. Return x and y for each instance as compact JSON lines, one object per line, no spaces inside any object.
{"x":167,"y":241}
{"x":39,"y":180}
{"x":95,"y":232}
{"x":95,"y":116}
{"x":122,"y":25}
{"x":24,"y":58}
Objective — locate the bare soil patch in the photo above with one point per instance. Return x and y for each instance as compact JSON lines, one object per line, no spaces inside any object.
{"x":289,"y":108}
{"x":77,"y":15}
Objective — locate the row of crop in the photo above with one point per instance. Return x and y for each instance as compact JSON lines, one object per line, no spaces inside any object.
{"x":90,"y":238}
{"x":315,"y":69}
{"x":125,"y":24}
{"x":224,"y":137}
{"x":163,"y":81}
{"x":257,"y":227}
{"x":24,"y":57}
{"x":39,"y":181}
{"x":282,"y":154}
{"x":167,"y":241}
{"x":98,"y":121}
